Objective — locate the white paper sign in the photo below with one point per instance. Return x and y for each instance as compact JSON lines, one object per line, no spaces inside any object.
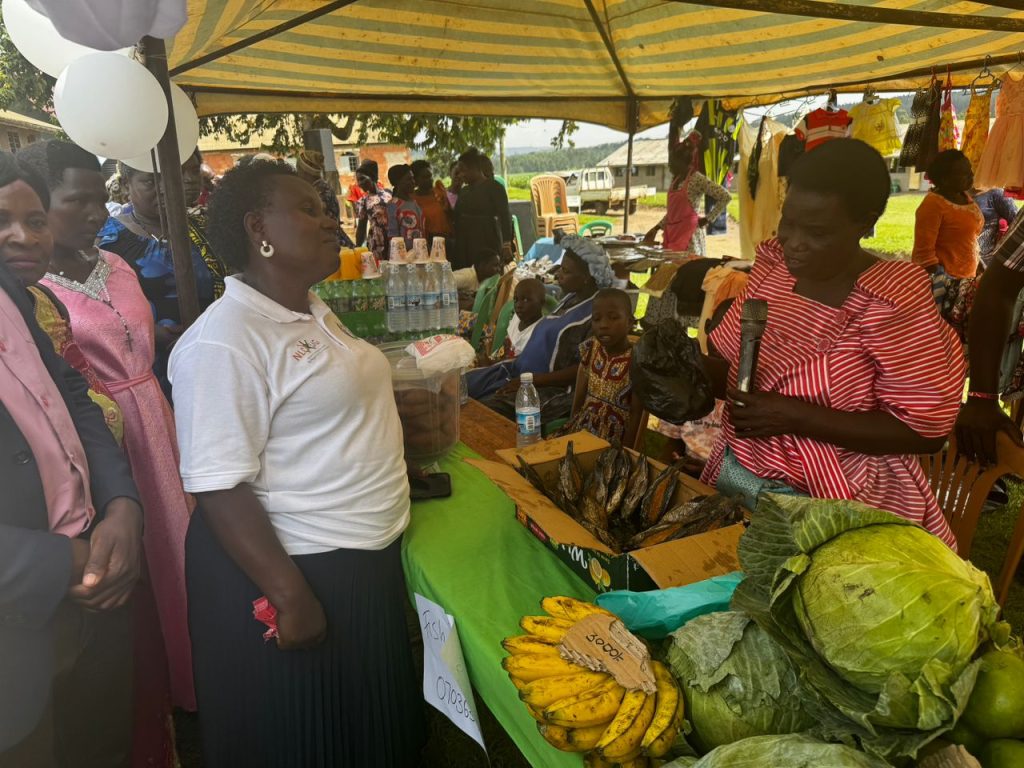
{"x":445,"y":679}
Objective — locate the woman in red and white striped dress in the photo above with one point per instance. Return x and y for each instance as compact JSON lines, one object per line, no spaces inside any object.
{"x":857,"y":373}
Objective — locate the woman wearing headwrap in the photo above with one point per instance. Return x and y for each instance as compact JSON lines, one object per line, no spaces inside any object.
{"x":138,"y":236}
{"x":552,"y":354}
{"x":309,"y":165}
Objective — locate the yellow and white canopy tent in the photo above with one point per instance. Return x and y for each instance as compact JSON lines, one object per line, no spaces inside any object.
{"x":614,"y":62}
{"x":583,"y":59}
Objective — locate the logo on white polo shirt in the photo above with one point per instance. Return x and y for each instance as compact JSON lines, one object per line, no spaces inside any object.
{"x":306,"y":347}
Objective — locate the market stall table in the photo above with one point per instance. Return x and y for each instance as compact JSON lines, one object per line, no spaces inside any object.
{"x":485,"y":431}
{"x":470,"y":555}
{"x":544,"y":246}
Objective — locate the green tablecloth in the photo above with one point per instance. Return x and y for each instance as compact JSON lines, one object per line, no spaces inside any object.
{"x":469,"y":554}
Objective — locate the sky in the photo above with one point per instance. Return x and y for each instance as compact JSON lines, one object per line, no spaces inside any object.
{"x":539,"y":133}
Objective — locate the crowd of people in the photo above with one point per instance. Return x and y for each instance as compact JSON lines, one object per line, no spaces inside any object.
{"x":123,"y":515}
{"x":167,"y":481}
{"x":471,"y":214}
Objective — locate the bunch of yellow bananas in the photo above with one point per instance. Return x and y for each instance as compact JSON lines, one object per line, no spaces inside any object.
{"x":578,"y":710}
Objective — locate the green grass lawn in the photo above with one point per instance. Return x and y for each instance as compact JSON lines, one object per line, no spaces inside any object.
{"x":894,"y":233}
{"x":660,"y":200}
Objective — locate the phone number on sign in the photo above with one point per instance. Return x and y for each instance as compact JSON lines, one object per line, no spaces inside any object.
{"x":449,"y":693}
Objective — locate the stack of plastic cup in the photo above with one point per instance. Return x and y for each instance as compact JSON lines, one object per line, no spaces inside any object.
{"x":419,"y":251}
{"x":437,"y":250}
{"x":368,"y":266}
{"x":397,"y":253}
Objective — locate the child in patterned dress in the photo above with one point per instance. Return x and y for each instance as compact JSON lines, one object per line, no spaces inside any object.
{"x":603,"y":403}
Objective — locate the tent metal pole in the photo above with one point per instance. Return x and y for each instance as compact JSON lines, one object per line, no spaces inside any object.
{"x":266,"y":34}
{"x":174,"y":189}
{"x":633,"y":106}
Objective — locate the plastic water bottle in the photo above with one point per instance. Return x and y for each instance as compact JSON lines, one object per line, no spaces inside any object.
{"x":414,"y":299}
{"x":398,"y":321}
{"x":449,"y":299}
{"x":360,"y":312}
{"x":431,"y":297}
{"x":527,"y":412}
{"x":341,"y":297}
{"x":376,"y":325}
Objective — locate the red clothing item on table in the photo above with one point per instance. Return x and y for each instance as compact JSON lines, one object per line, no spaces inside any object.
{"x":885,"y":349}
{"x":37,"y":407}
{"x":946,"y":234}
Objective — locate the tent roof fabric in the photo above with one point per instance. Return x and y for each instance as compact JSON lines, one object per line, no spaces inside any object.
{"x":571,"y":59}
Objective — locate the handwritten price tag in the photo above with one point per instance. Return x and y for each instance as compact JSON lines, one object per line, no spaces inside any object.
{"x":603,"y":644}
{"x":446,"y":684}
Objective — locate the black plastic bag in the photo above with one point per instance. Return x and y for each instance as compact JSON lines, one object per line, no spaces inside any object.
{"x":669,"y":376}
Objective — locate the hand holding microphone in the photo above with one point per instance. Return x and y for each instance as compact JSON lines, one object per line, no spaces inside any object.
{"x":753,"y":319}
{"x":758,"y":414}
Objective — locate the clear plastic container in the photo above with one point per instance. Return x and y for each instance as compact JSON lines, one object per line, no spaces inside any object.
{"x":428,"y":406}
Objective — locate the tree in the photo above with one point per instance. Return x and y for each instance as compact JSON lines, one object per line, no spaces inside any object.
{"x":441,"y":137}
{"x":23,"y":88}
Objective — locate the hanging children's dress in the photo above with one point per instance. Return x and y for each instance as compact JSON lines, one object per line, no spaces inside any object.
{"x":875,"y":124}
{"x":921,"y":143}
{"x":949,"y":134}
{"x":1002,"y":163}
{"x":822,"y":125}
{"x":976,"y":126}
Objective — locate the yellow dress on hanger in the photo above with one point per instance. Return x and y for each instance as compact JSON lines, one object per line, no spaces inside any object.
{"x":875,"y":124}
{"x":976,"y":123}
{"x":1002,"y":162}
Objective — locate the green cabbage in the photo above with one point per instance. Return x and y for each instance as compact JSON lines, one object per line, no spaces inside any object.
{"x":881,"y":618}
{"x":736,"y":680}
{"x":784,"y":751}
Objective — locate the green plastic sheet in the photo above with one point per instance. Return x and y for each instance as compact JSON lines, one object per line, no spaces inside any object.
{"x":469,"y":554}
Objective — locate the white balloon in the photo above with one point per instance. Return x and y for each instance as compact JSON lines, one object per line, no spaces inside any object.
{"x":88,"y":83}
{"x":38,"y":41}
{"x":186,"y":127}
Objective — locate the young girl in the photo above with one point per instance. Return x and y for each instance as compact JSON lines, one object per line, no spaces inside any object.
{"x":603,"y":403}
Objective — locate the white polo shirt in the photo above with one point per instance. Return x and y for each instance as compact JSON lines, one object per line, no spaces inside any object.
{"x":299,"y":409}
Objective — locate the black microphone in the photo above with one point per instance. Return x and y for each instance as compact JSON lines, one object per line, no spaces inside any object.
{"x":752,"y":322}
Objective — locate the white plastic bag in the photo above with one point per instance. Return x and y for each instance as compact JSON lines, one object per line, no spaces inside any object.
{"x":441,"y":353}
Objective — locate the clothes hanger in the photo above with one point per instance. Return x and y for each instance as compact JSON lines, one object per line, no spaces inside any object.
{"x":985,"y":73}
{"x":833,"y":101}
{"x":870,"y":95}
{"x":1018,"y":65}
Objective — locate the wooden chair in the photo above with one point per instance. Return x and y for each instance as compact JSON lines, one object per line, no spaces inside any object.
{"x":962,"y":486}
{"x":551,"y":202}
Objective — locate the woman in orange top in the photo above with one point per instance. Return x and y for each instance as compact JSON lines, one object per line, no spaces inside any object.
{"x":948,"y":219}
{"x":433,"y":201}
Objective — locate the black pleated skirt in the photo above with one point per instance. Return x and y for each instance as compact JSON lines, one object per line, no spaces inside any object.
{"x":353,"y":701}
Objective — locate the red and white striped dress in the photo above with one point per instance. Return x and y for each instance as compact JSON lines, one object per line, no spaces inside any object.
{"x":885,"y":349}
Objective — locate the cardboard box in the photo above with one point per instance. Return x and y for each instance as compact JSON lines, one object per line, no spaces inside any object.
{"x":672,"y":564}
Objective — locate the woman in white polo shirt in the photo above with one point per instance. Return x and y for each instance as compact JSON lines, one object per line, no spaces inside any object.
{"x":291,"y":442}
